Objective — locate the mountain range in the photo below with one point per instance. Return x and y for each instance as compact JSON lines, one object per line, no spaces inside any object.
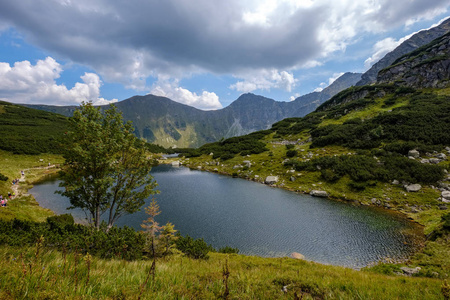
{"x":161,"y":121}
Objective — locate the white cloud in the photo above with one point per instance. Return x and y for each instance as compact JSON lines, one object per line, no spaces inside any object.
{"x":35,"y":84}
{"x":171,"y":89}
{"x":129,"y":43}
{"x":265,"y":80}
{"x":295,"y":96}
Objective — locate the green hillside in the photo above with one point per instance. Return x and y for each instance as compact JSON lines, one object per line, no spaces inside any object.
{"x":29,"y":131}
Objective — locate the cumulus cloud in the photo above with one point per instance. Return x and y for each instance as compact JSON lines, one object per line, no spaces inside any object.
{"x":265,"y":80}
{"x":27,"y":83}
{"x":171,"y":89}
{"x":128,"y":43}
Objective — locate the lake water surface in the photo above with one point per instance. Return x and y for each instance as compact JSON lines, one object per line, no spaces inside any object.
{"x":264,"y":221}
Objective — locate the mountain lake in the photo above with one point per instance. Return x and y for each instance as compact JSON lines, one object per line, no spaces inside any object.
{"x":264,"y":221}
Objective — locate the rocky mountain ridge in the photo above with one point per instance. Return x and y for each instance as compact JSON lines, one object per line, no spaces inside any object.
{"x":418,"y":40}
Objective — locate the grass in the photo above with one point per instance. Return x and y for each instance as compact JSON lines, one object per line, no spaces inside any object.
{"x":25,"y":206}
{"x":53,"y":275}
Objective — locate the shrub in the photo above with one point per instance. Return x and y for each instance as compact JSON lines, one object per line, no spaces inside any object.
{"x":291,"y":153}
{"x":229,"y":250}
{"x":195,"y":248}
{"x":3,"y":177}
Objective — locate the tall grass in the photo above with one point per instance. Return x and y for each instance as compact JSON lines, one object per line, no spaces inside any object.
{"x":29,"y":273}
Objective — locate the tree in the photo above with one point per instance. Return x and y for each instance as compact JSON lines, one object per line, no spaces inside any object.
{"x":106,"y":167}
{"x":168,"y":237}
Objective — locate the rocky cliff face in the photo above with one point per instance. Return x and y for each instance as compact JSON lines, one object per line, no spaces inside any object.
{"x":426,"y":67}
{"x":416,"y":41}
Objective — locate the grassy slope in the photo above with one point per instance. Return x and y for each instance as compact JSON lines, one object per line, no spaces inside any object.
{"x":177,"y":277}
{"x":30,"y":131}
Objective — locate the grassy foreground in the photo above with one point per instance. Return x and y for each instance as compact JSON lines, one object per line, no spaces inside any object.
{"x":35,"y":273}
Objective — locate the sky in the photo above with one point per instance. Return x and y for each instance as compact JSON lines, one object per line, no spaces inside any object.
{"x":203,"y":53}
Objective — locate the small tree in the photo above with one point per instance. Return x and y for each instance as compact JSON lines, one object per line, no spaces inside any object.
{"x":106,"y":168}
{"x":168,"y":237}
{"x":151,"y":227}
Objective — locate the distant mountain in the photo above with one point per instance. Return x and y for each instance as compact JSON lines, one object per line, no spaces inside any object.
{"x":171,"y":124}
{"x":418,"y":40}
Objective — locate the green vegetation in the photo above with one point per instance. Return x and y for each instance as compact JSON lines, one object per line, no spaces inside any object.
{"x":106,"y":167}
{"x":30,"y":131}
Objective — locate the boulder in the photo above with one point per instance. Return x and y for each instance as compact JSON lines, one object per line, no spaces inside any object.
{"x":425,"y":161}
{"x":445,"y":195}
{"x":441,"y":156}
{"x":410,"y":271}
{"x":271,"y":180}
{"x":414,"y":153}
{"x":297,"y":255}
{"x":395,"y":181}
{"x":175,"y":163}
{"x":435,"y":160}
{"x":413,"y":187}
{"x":292,"y":178}
{"x":317,"y":193}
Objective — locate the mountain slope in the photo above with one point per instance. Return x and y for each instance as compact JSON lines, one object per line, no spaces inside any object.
{"x":30,"y":131}
{"x":416,"y":41}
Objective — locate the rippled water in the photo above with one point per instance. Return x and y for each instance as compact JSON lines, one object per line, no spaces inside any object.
{"x":265,"y":221}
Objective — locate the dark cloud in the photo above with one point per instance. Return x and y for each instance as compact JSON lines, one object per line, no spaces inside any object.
{"x":130,"y":40}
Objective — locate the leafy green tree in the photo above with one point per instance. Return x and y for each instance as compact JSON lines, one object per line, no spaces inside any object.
{"x":106,"y":167}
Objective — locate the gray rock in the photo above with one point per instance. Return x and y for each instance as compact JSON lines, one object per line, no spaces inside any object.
{"x":271,"y":180}
{"x":425,"y":161}
{"x":441,"y":156}
{"x":175,"y":163}
{"x":414,"y":153}
{"x":292,"y":178}
{"x":413,"y":187}
{"x":434,"y":160}
{"x":445,"y":195}
{"x":395,"y":181}
{"x":237,"y":167}
{"x":410,"y":271}
{"x":443,"y":207}
{"x":317,"y":193}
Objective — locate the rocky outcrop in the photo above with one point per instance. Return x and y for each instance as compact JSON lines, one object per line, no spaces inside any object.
{"x":426,"y":67}
{"x":419,"y":39}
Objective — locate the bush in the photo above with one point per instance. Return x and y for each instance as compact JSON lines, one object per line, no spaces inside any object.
{"x":3,"y":177}
{"x":228,"y":250}
{"x":291,"y":153}
{"x":195,"y":248}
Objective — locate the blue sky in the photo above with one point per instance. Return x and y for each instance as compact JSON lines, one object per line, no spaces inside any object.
{"x":203,"y":53}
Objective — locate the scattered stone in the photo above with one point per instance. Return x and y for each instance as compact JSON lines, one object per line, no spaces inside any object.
{"x":414,"y":153}
{"x":211,"y":154}
{"x":413,"y":187}
{"x":199,"y":167}
{"x":247,"y":163}
{"x":175,"y":163}
{"x":445,"y":195}
{"x":434,"y":160}
{"x":445,"y":201}
{"x":297,"y":255}
{"x":292,"y":178}
{"x":237,"y":167}
{"x":410,"y":271}
{"x":317,"y":193}
{"x":411,"y":157}
{"x":373,"y":200}
{"x":395,"y":181}
{"x":414,"y":210}
{"x":271,"y":180}
{"x":441,"y":156}
{"x":425,"y":161}
{"x":256,"y":176}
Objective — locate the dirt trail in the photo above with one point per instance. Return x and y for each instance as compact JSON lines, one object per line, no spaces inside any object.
{"x":15,"y":187}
